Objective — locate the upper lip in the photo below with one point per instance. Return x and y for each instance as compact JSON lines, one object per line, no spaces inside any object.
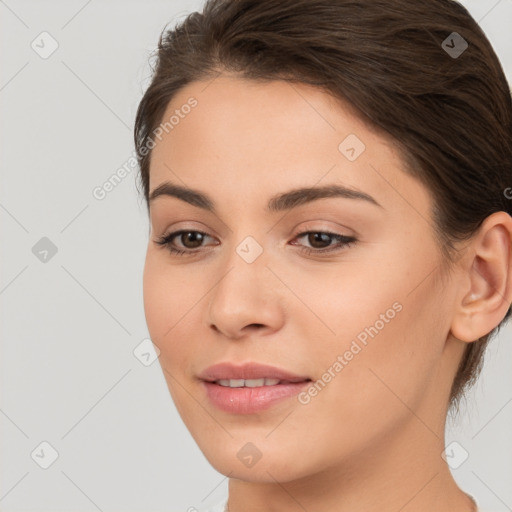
{"x":251,"y":370}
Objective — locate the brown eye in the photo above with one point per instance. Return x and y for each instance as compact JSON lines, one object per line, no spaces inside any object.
{"x":191,"y":239}
{"x":319,"y":240}
{"x":183,"y":242}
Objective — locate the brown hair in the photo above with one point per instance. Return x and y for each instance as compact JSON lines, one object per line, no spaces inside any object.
{"x":450,"y":115}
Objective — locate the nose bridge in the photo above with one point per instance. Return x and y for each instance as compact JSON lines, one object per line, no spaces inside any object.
{"x":243,"y":271}
{"x":244,"y":294}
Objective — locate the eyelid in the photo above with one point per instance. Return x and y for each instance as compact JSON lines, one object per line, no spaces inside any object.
{"x":185,"y":225}
{"x":317,"y":227}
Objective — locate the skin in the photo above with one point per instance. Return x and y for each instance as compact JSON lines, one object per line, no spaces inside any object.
{"x":372,"y":439}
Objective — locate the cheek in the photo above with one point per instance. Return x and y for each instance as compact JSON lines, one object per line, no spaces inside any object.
{"x":386,"y":323}
{"x":169,"y":291}
{"x":349,"y":300}
{"x":169,"y":299}
{"x":157,"y":300}
{"x":170,"y":295}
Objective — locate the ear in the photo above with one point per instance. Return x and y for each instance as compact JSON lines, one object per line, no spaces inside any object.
{"x":486,"y":286}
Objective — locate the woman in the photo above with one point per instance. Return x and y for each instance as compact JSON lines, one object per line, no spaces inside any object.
{"x":330,"y":245}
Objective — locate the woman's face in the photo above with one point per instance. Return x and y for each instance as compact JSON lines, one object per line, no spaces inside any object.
{"x":263,"y":280}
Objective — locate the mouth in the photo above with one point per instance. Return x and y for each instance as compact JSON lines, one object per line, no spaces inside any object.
{"x":249,"y":388}
{"x":252,"y":383}
{"x":249,"y":374}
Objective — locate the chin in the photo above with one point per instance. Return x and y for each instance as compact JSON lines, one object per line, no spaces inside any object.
{"x":257,"y":461}
{"x":262,"y":472}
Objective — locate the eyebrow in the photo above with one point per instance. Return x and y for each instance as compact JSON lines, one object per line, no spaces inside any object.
{"x":278,"y":203}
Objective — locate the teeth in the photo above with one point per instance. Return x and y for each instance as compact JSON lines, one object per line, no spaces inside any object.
{"x":253,"y":383}
{"x":249,"y":383}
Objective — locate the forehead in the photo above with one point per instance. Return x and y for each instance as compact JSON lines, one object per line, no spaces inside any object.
{"x":275,"y":115}
{"x":261,"y":137}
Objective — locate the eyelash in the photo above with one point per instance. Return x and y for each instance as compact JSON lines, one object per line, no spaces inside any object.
{"x":343,"y":242}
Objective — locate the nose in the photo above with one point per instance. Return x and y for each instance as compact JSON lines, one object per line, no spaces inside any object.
{"x":246,"y":299}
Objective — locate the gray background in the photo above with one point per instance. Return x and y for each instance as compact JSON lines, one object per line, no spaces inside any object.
{"x":69,"y":325}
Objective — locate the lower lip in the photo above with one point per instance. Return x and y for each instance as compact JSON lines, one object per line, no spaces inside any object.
{"x":250,"y":400}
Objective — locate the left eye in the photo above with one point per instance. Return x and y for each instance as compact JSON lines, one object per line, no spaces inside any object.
{"x":320,"y":241}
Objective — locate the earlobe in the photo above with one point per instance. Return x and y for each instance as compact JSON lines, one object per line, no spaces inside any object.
{"x":487,"y":281}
